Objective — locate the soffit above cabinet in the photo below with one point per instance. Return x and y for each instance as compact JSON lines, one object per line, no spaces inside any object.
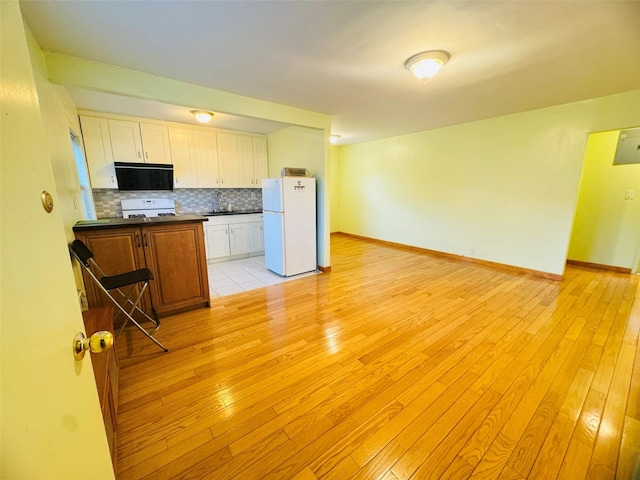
{"x":98,"y":103}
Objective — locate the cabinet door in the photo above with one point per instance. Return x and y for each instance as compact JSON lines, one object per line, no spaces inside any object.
{"x":176,"y":256}
{"x":126,"y":142}
{"x":155,"y":142}
{"x":245,"y":160}
{"x":218,"y":241}
{"x":239,"y":238}
{"x":182,"y":153}
{"x":206,"y":159}
{"x":228,"y":160}
{"x":97,"y":148}
{"x":117,"y":250}
{"x":260,"y":162}
{"x":256,"y":237}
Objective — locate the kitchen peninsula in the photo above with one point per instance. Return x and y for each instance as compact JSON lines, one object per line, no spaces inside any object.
{"x":173,"y":248}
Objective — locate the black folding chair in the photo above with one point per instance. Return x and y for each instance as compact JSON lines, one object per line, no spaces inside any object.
{"x":138,"y":280}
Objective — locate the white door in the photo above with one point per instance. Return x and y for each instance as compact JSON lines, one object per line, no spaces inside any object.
{"x":245,"y":160}
{"x":228,"y":160}
{"x":97,"y":147}
{"x":182,"y":153}
{"x":218,"y":238}
{"x":256,"y":237}
{"x":50,"y":414}
{"x":239,"y":238}
{"x":260,"y":162}
{"x":155,"y":141}
{"x":126,"y":143}
{"x":206,"y":156}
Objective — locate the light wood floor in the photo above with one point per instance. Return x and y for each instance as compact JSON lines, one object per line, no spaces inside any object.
{"x":394,"y":365}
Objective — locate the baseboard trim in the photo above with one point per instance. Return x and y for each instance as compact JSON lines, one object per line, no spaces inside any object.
{"x":451,"y":256}
{"x":599,"y":266}
{"x":324,"y":269}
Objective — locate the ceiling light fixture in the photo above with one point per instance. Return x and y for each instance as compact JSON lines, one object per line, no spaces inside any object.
{"x":202,"y":116}
{"x":425,"y":65}
{"x":333,"y":139}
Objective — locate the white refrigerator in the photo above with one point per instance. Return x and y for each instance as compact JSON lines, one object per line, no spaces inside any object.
{"x":289,"y":216}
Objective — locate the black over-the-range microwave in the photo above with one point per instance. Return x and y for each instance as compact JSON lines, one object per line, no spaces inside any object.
{"x":144,"y":176}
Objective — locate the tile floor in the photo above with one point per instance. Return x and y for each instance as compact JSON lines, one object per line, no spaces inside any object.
{"x":235,"y":276}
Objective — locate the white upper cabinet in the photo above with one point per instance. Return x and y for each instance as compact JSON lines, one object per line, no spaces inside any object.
{"x":139,"y":142}
{"x":183,"y":155}
{"x":206,"y":156}
{"x":228,"y":160}
{"x":155,"y":143}
{"x":242,"y":159}
{"x":260,"y":165}
{"x":245,"y":160}
{"x":195,"y":158}
{"x":97,"y":148}
{"x":201,"y":157}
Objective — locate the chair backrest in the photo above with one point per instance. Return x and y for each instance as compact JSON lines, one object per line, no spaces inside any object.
{"x":81,"y":252}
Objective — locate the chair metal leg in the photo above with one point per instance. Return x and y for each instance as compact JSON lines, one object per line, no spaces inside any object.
{"x":84,"y":256}
{"x":133,"y":320}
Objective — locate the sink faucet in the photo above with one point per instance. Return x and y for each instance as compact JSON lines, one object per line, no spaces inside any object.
{"x":220,"y":199}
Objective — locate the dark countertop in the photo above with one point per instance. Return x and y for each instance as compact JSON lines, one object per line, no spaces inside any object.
{"x":135,"y":222}
{"x":234,"y":212}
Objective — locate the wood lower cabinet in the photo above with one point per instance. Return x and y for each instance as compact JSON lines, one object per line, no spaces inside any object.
{"x":105,"y":371}
{"x":175,"y":254}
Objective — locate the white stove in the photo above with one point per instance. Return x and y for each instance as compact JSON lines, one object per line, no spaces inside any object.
{"x":152,"y":207}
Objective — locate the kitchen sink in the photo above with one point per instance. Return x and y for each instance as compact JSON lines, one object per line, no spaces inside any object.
{"x":233,"y":212}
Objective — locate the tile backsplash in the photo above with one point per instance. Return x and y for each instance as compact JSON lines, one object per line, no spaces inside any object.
{"x":188,"y":200}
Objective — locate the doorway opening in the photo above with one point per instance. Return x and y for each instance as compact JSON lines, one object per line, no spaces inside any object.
{"x":606,"y":225}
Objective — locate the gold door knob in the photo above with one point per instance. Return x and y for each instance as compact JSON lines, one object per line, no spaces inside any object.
{"x":96,"y":343}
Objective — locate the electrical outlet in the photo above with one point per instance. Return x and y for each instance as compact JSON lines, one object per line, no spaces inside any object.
{"x":629,"y":194}
{"x":253,"y":196}
{"x":471,"y":251}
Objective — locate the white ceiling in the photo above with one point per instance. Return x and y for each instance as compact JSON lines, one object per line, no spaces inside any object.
{"x":345,"y":58}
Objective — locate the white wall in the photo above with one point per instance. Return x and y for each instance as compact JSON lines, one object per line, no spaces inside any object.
{"x":305,"y":147}
{"x":505,"y":187}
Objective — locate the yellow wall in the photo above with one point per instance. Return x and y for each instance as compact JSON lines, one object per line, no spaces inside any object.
{"x":60,"y":115}
{"x":503,"y":188}
{"x":606,"y":229}
{"x":305,"y":147}
{"x":335,"y":188}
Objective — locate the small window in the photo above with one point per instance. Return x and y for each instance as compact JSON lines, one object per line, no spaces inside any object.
{"x":88,"y":208}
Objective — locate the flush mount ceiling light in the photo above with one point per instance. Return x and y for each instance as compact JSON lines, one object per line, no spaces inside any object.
{"x":333,"y":139}
{"x":202,"y":115}
{"x":426,"y":64}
